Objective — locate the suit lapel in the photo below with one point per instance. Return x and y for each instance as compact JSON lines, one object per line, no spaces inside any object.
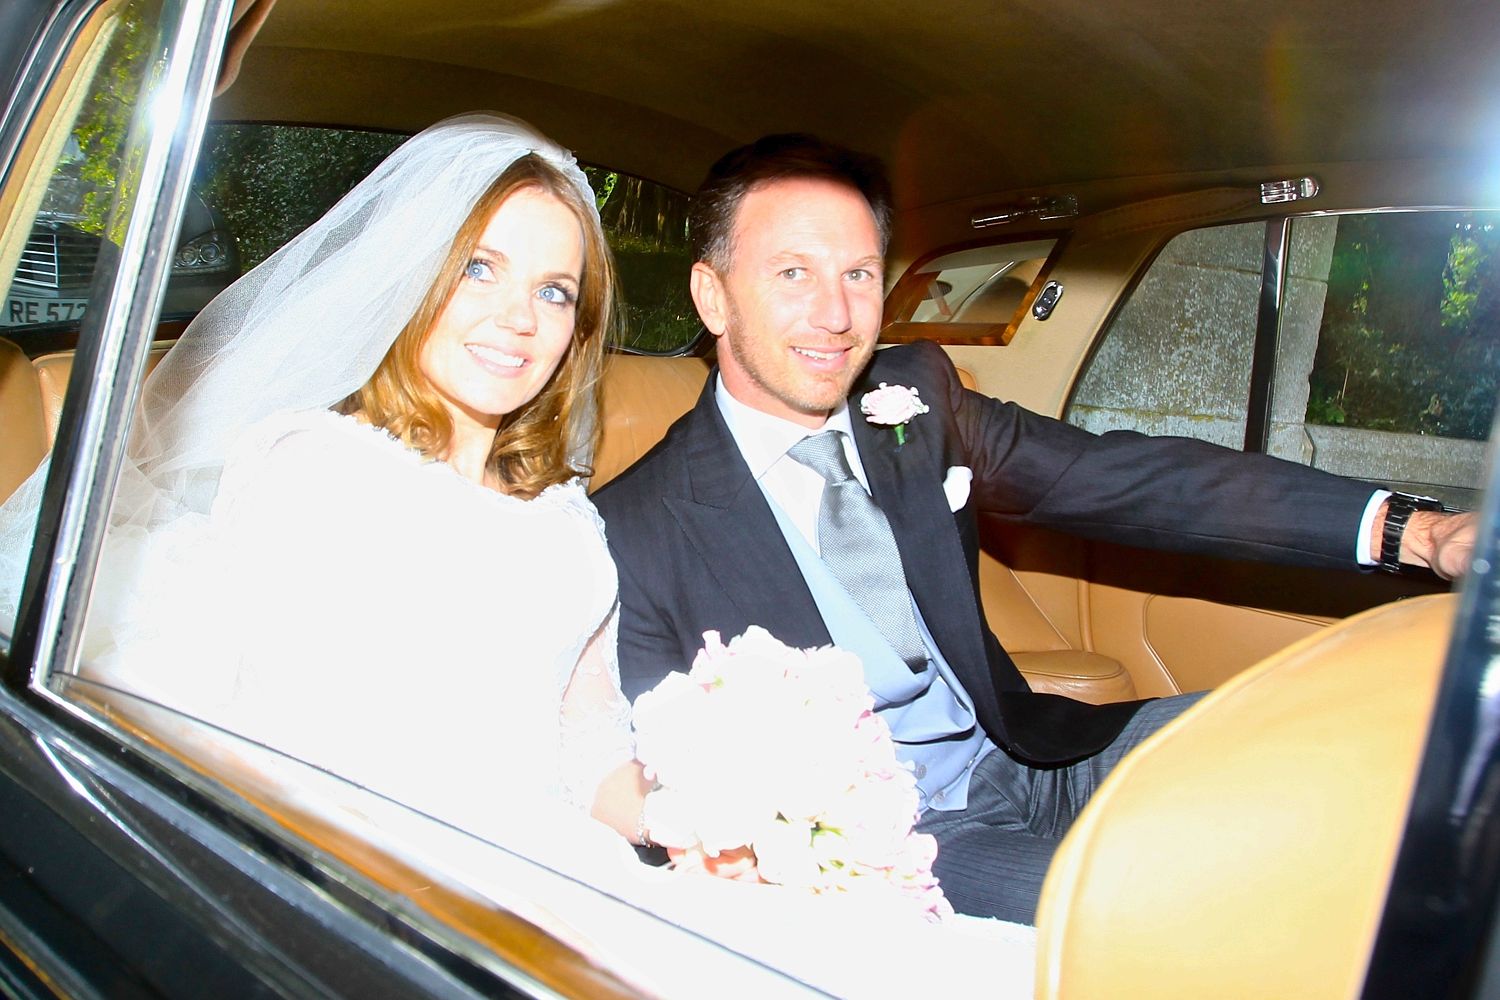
{"x":906,"y":481}
{"x":727,"y":520}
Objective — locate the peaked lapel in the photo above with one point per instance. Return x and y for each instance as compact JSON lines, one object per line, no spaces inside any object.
{"x":729,"y":523}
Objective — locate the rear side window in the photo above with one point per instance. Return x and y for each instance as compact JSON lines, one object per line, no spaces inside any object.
{"x":78,"y":217}
{"x":269,"y":182}
{"x":258,"y":185}
{"x":1387,"y":345}
{"x":971,"y":296}
{"x":646,"y":225}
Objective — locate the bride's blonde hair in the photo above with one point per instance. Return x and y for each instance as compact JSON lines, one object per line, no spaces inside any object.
{"x":546,"y":441}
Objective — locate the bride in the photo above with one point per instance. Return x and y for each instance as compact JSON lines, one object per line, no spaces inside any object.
{"x":354,"y":525}
{"x":354,"y":528}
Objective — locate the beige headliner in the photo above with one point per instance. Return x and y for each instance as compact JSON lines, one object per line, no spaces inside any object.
{"x":961,"y":97}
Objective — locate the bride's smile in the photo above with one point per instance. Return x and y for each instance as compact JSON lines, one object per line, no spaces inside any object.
{"x":495,"y":359}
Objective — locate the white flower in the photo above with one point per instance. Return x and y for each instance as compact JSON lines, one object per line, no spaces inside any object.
{"x":779,"y":749}
{"x":892,"y":405}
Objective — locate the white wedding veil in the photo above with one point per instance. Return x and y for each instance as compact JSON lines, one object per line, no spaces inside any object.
{"x":303,"y":330}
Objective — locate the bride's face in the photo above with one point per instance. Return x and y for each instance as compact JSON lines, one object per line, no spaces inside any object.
{"x":500,"y":337}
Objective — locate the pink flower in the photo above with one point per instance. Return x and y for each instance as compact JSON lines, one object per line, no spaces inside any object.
{"x":891,"y":405}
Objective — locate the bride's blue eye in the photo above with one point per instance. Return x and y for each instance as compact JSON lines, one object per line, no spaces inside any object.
{"x":555,"y":294}
{"x":478,"y":270}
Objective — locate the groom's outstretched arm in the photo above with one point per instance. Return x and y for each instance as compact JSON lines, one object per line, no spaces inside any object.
{"x":1168,"y":493}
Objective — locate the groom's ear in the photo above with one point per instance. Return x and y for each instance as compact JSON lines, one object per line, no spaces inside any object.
{"x":708,"y":296}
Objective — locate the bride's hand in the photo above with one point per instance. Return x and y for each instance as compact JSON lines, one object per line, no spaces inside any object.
{"x":737,"y":864}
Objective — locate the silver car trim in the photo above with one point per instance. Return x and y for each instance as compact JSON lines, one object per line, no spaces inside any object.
{"x":95,"y":419}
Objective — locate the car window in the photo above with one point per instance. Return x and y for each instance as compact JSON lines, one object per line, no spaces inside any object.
{"x":646,"y":225}
{"x":269,"y":182}
{"x":967,"y":296}
{"x":93,"y":167}
{"x":1386,"y":346}
{"x":71,"y":197}
{"x":1402,"y":386}
{"x":259,"y":185}
{"x":77,"y":219}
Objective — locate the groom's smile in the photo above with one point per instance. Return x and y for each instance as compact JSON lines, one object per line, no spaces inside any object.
{"x":798,"y":309}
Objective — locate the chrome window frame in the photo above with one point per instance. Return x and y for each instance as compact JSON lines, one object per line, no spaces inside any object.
{"x":114,"y":340}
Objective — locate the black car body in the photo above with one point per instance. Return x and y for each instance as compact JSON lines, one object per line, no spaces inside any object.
{"x":127,"y":869}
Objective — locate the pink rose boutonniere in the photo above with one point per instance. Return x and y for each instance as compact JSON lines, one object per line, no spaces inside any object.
{"x":892,"y":406}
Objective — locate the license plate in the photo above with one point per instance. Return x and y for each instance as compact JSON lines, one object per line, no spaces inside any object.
{"x":34,"y":312}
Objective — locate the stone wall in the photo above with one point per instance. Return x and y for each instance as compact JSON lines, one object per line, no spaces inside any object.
{"x":1177,"y":361}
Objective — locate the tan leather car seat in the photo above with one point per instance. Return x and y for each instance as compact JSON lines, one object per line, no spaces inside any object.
{"x":1244,"y":850}
{"x":642,"y":397}
{"x":53,"y":371}
{"x":21,"y":415}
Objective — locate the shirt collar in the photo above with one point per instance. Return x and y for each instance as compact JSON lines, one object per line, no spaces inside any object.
{"x":764,"y":439}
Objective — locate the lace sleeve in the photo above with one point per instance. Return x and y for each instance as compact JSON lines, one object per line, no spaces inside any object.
{"x":595,"y":718}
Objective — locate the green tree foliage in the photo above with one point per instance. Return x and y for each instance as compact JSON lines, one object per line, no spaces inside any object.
{"x":646,"y":225}
{"x":1411,"y":325}
{"x":270,"y":182}
{"x":92,"y":181}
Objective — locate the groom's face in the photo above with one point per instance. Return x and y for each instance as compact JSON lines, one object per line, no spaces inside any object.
{"x":798,"y":309}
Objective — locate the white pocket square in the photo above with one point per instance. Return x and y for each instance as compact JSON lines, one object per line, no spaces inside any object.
{"x":956,"y":485}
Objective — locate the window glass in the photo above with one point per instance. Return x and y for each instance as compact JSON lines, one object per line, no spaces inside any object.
{"x":79,"y":217}
{"x":646,"y":225}
{"x":1386,"y":349}
{"x":962,"y":297}
{"x":258,"y":185}
{"x":1176,"y":358}
{"x":270,"y":182}
{"x":1399,"y":362}
{"x":74,"y":193}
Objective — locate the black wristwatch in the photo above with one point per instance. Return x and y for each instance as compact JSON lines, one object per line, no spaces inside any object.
{"x":1398,"y":510}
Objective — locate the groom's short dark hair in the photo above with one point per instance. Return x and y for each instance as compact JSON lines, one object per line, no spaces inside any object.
{"x":786,"y":156}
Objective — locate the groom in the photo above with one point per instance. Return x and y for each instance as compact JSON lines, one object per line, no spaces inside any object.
{"x":775,"y":502}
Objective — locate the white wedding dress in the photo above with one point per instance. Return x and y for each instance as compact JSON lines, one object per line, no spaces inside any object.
{"x":373,"y":613}
{"x":354,"y":606}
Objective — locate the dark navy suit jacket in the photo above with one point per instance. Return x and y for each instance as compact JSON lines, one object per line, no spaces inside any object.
{"x":698,"y":548}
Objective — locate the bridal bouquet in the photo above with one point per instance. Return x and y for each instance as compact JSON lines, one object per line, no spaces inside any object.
{"x":780,"y":750}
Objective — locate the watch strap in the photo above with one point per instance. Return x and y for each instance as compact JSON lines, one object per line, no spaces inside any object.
{"x":1398,"y":510}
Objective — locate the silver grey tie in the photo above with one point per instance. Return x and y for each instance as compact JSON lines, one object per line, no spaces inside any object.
{"x":856,"y":542}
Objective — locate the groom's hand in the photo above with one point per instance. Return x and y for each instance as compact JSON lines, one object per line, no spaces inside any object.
{"x":737,"y":864}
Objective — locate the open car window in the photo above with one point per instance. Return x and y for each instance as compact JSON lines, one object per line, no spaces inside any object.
{"x":1385,"y":341}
